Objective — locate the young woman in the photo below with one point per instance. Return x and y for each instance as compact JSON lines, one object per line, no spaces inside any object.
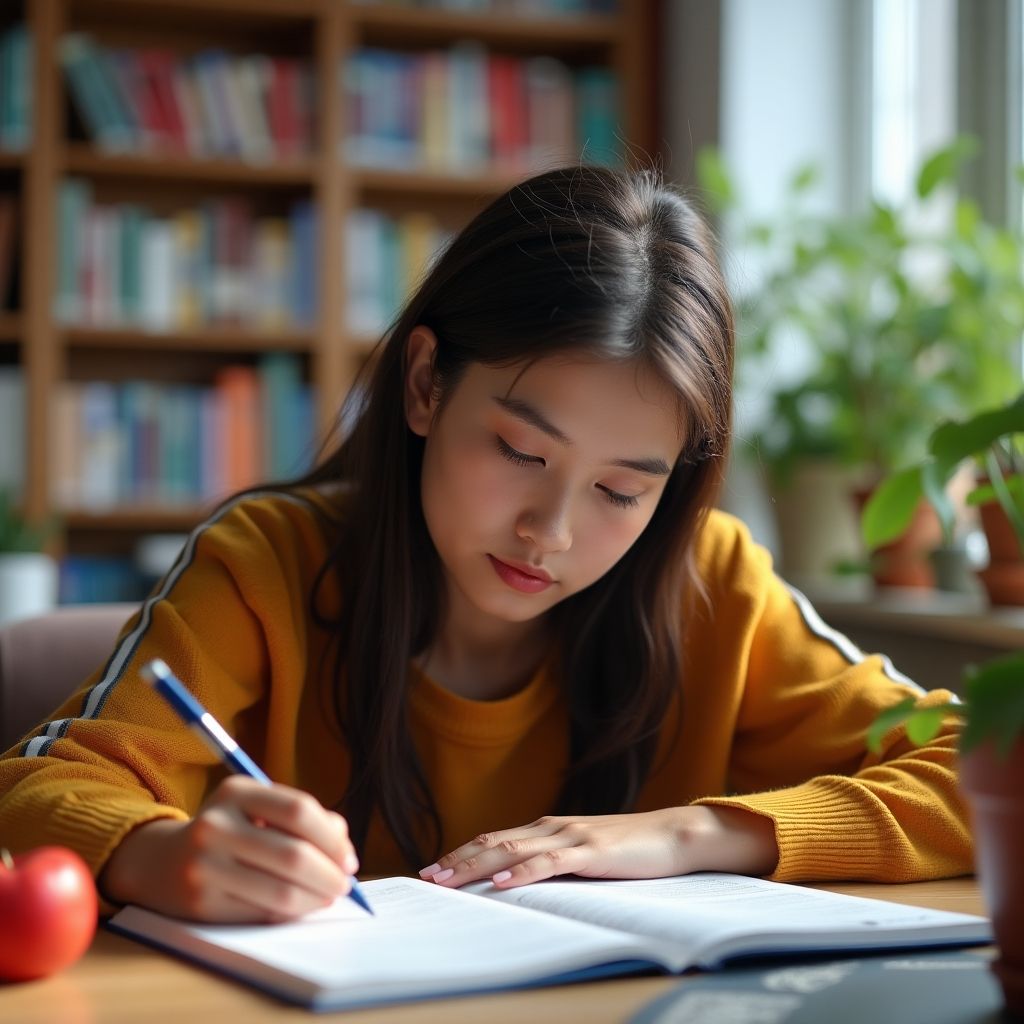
{"x":499,"y":631}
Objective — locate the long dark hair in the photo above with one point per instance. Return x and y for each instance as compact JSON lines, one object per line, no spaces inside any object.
{"x":599,"y":261}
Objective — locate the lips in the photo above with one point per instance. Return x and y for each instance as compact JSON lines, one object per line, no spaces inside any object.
{"x":525,"y":579}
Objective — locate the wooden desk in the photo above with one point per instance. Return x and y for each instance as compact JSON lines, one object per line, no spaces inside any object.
{"x":121,"y":982}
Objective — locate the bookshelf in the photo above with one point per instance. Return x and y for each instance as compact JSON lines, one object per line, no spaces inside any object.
{"x":164,"y":179}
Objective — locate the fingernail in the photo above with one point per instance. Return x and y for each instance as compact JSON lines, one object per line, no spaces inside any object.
{"x":443,"y":876}
{"x":351,"y":863}
{"x":432,"y":870}
{"x":501,"y":876}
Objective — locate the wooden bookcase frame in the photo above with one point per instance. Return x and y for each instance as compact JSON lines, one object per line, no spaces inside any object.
{"x":624,"y":41}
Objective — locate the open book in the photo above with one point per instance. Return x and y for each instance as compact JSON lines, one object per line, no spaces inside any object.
{"x":428,"y":941}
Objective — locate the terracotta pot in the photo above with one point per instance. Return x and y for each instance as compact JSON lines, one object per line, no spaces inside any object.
{"x":1003,"y":582}
{"x":1003,"y":578}
{"x":905,"y":562}
{"x":992,"y":785}
{"x":1003,"y":545}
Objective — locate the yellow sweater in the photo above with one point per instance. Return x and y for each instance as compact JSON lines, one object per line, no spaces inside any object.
{"x":776,"y":708}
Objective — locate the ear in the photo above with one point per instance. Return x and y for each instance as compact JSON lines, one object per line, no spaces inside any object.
{"x":420,"y":401}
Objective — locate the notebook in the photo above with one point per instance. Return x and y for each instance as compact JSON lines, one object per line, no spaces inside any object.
{"x":427,"y":941}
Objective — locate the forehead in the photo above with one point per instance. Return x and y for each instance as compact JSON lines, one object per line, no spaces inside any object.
{"x":578,"y":394}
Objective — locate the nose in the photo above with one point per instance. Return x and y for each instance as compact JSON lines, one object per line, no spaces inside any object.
{"x":546,"y":525}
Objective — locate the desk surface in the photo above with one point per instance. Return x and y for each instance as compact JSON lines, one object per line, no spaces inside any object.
{"x":121,"y":982}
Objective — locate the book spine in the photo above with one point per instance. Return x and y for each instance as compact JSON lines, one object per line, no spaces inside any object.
{"x":13,"y":431}
{"x":157,"y":274}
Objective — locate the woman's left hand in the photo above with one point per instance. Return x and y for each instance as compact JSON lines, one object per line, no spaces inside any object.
{"x":653,"y":844}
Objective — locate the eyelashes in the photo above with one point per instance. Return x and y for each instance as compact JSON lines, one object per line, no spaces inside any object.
{"x":515,"y":456}
{"x":622,"y":500}
{"x":519,"y":458}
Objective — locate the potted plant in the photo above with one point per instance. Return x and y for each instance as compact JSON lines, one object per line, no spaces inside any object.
{"x":28,"y":576}
{"x":890,"y":320}
{"x":991,"y":770}
{"x":992,"y":441}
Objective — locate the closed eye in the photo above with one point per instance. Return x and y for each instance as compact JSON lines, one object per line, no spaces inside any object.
{"x":513,"y":455}
{"x":622,"y":500}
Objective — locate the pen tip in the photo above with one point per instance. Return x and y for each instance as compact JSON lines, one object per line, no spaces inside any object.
{"x":359,"y":898}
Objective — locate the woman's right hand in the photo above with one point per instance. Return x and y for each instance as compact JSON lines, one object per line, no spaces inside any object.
{"x":253,"y":853}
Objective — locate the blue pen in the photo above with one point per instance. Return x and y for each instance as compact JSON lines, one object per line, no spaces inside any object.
{"x":197,"y":718}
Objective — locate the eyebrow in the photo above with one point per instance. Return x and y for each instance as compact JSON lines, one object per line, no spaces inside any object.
{"x":535,"y":418}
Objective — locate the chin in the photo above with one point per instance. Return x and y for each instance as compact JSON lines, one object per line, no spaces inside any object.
{"x":513,"y":608}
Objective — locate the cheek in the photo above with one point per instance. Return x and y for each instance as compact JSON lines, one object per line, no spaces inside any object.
{"x":607,"y":537}
{"x":466,"y":485}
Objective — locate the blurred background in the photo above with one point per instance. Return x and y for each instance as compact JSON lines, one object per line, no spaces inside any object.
{"x":210,"y":210}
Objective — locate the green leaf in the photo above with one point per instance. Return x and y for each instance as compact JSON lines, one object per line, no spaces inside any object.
{"x":923,"y":725}
{"x":714,"y":178}
{"x":889,"y":719}
{"x":806,"y":177}
{"x":944,"y":165}
{"x":955,"y":441}
{"x":995,"y":696}
{"x":966,"y":218}
{"x":890,"y":508}
{"x":934,"y":478}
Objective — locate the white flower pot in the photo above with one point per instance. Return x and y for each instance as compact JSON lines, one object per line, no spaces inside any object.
{"x":28,"y":585}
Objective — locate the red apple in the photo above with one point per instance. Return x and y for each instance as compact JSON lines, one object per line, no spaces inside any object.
{"x":49,"y":909}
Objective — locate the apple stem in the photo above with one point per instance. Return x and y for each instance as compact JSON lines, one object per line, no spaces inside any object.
{"x":6,"y":857}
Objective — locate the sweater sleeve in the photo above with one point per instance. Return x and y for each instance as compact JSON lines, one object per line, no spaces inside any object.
{"x":114,"y":755}
{"x":799,"y":755}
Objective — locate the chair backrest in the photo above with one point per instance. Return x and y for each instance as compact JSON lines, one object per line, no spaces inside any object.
{"x":43,"y":659}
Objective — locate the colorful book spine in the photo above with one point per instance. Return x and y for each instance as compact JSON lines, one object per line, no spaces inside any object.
{"x":385,"y":260}
{"x":213,"y":264}
{"x":463,"y":109}
{"x":210,"y":103}
{"x":97,"y":97}
{"x":142,"y":442}
{"x":12,"y":430}
{"x":16,"y":63}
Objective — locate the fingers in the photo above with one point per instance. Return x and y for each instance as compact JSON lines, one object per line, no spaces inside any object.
{"x":295,"y":813}
{"x":267,"y":853}
{"x":548,"y":847}
{"x":230,"y":836}
{"x":227,"y":891}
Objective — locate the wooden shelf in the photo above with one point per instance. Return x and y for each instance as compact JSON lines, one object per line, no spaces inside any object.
{"x":135,"y":518}
{"x":11,"y":326}
{"x":84,"y":159}
{"x":381,"y":181}
{"x":205,"y":339}
{"x":405,"y":26}
{"x":926,"y":614}
{"x":279,"y":10}
{"x":324,"y":35}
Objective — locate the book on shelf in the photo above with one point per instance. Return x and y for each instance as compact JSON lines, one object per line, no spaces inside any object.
{"x":99,"y":579}
{"x":211,"y":103}
{"x":16,"y":61}
{"x":178,"y":445}
{"x":216,"y":263}
{"x":464,"y":109}
{"x":428,"y":941}
{"x":386,"y":257}
{"x":12,"y":430}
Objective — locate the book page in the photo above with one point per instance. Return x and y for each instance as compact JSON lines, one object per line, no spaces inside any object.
{"x":423,"y":940}
{"x":707,"y":916}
